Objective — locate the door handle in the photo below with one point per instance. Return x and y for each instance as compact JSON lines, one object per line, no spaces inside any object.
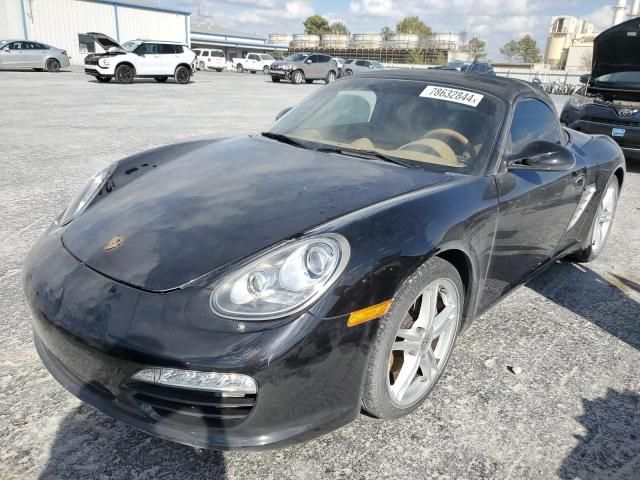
{"x":579,"y":180}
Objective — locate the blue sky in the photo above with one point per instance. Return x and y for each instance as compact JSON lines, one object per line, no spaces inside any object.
{"x":495,"y":21}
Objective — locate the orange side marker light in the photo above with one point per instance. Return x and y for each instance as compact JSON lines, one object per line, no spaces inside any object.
{"x":369,"y":313}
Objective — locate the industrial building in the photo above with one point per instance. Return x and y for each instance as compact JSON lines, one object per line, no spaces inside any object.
{"x":397,"y":48}
{"x":569,"y":44}
{"x":62,"y":23}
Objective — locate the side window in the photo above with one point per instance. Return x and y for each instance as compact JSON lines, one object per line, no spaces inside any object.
{"x":16,"y":46}
{"x":205,"y":53}
{"x":165,"y":49}
{"x":533,"y":120}
{"x":147,"y":49}
{"x":253,"y":57}
{"x":198,"y":52}
{"x":312,"y":59}
{"x":178,"y":49}
{"x":323,"y":58}
{"x":360,"y":63}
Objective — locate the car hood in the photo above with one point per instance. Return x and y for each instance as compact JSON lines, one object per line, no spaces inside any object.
{"x":221,"y":201}
{"x":617,"y":49}
{"x":105,"y":41}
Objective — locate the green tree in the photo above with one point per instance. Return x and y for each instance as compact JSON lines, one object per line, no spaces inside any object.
{"x":413,"y":25}
{"x":339,"y":28}
{"x":510,"y":50}
{"x":416,"y":56}
{"x":386,"y":33}
{"x":476,"y":48}
{"x":316,"y":25}
{"x":528,"y":50}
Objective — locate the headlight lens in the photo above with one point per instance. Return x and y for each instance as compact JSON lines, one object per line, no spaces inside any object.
{"x":104,"y":62}
{"x":579,"y":100}
{"x":86,"y":195}
{"x":283,"y":281}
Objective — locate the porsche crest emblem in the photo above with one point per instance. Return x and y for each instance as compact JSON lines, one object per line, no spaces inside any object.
{"x":114,"y":243}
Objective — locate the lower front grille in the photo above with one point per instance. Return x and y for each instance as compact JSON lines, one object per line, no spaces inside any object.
{"x":612,"y":121}
{"x":191,"y":407}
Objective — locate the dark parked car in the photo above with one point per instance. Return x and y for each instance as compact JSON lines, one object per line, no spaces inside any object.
{"x":331,"y":269}
{"x":475,"y":67}
{"x":609,"y":103}
{"x":300,"y":68}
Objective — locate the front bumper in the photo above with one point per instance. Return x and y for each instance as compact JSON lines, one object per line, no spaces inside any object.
{"x":602,"y":120}
{"x":279,"y":73}
{"x":93,"y":333}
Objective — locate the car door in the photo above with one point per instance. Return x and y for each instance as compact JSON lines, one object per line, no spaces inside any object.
{"x":14,"y":56}
{"x":148,"y":61}
{"x":310,"y":67}
{"x":36,"y":54}
{"x":535,"y":206}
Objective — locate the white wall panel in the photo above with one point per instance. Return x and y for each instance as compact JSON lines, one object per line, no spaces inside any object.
{"x":10,"y":19}
{"x":136,"y":23}
{"x":58,"y":23}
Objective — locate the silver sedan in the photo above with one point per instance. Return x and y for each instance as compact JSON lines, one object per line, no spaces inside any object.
{"x":29,"y":54}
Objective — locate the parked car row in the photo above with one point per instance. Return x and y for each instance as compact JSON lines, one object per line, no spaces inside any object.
{"x":474,"y":67}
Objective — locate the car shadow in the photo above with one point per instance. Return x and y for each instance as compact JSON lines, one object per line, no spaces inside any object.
{"x":633,"y":166}
{"x":91,"y":445}
{"x":610,"y":446}
{"x":585,"y":293}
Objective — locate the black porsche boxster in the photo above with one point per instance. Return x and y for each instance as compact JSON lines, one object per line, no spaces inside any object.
{"x":259,"y":291}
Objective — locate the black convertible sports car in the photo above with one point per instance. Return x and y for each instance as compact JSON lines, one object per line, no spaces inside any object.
{"x":259,"y":291}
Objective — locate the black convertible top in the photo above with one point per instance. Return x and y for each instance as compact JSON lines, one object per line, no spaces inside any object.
{"x":507,"y":89}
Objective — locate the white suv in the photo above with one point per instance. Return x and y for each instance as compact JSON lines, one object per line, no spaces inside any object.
{"x":210,"y":59}
{"x":139,"y":58}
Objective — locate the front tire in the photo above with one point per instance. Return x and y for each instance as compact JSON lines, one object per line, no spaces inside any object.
{"x":52,"y":65}
{"x":265,"y":70}
{"x":104,"y":78}
{"x":240,"y":68}
{"x":602,"y":221}
{"x":125,"y":74}
{"x":202,"y":68}
{"x":297,"y":77}
{"x":414,"y":340}
{"x":182,"y":75}
{"x":253,"y":72}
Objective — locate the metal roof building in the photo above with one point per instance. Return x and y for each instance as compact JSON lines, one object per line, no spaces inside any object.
{"x":234,"y":43}
{"x":62,"y":23}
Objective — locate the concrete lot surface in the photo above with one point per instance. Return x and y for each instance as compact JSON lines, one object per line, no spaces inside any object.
{"x":572,"y":412}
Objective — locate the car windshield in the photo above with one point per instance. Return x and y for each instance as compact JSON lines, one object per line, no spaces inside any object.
{"x":217,"y":53}
{"x":630,"y":79}
{"x":131,"y":45}
{"x":296,"y":57}
{"x":423,"y":125}
{"x":377,"y":64}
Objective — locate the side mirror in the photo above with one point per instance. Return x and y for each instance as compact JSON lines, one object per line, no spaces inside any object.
{"x":282,"y":113}
{"x":308,"y":61}
{"x":584,"y":78}
{"x":371,"y":67}
{"x":542,"y":155}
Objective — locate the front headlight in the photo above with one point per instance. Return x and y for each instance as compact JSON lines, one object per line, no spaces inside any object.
{"x":579,"y":100}
{"x":282,"y":281}
{"x":287,"y":67}
{"x":86,"y":194}
{"x":104,"y":62}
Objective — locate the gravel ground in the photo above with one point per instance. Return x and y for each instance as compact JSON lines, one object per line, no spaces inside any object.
{"x":572,"y":412}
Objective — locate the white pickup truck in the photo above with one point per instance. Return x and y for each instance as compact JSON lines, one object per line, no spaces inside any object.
{"x":253,"y":62}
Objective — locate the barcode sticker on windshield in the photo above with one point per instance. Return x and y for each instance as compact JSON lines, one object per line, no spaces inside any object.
{"x":453,"y":95}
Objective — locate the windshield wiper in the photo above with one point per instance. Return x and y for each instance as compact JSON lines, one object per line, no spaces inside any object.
{"x":285,"y":139}
{"x":364,"y":154}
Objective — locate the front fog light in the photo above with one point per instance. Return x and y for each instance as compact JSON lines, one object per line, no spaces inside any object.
{"x":195,"y":380}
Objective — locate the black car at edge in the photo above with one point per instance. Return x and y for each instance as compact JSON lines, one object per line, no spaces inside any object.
{"x":609,"y":103}
{"x":259,"y":291}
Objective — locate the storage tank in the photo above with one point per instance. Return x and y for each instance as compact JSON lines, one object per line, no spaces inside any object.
{"x":366,"y":40}
{"x":280,"y":39}
{"x":404,"y":40}
{"x":333,"y":40}
{"x":445,"y":41}
{"x":303,"y":40}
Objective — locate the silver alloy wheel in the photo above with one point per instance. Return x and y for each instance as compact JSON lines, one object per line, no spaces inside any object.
{"x":331,"y":77}
{"x":265,"y":70}
{"x":297,"y":77}
{"x":423,"y":342}
{"x":604,"y":217}
{"x":202,"y":66}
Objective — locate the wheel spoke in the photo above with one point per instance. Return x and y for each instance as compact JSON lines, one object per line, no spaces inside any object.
{"x":427,"y":307}
{"x":409,"y":334}
{"x":406,"y":346}
{"x":442,"y":320}
{"x":405,"y":376}
{"x":428,"y":364}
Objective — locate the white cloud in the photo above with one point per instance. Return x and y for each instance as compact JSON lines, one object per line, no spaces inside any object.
{"x":602,"y":18}
{"x":375,"y":8}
